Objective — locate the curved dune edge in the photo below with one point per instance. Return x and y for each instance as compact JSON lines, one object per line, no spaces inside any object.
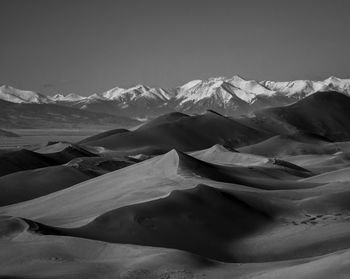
{"x":228,"y":225}
{"x":61,"y":256}
{"x":144,"y":181}
{"x":341,"y":175}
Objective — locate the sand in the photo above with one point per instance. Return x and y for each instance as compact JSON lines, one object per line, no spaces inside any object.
{"x":184,"y":133}
{"x":175,"y":216}
{"x":181,"y":197}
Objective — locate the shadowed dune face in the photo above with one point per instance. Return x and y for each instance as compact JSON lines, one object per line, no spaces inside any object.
{"x":323,"y":113}
{"x":11,"y":226}
{"x":202,"y":220}
{"x":147,"y":180}
{"x":22,"y":160}
{"x":321,"y":163}
{"x":294,"y":144}
{"x":166,"y":118}
{"x":103,"y":135}
{"x":254,"y":176}
{"x":228,"y":225}
{"x":183,"y":132}
{"x":14,"y":161}
{"x":29,"y":184}
{"x":218,"y":154}
{"x":221,"y":156}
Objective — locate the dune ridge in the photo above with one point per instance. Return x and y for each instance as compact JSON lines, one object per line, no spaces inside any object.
{"x":264,"y":195}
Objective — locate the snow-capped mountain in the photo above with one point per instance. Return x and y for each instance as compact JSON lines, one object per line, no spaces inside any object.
{"x":136,"y":92}
{"x":231,"y":96}
{"x":214,"y":93}
{"x":250,"y":86}
{"x":14,"y":95}
{"x":72,"y":97}
{"x":111,"y":94}
{"x":337,"y":84}
{"x":299,"y":89}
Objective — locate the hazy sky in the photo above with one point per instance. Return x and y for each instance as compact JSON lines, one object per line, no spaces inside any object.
{"x":83,"y":46}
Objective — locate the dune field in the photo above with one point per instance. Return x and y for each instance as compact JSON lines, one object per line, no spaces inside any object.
{"x":185,"y":196}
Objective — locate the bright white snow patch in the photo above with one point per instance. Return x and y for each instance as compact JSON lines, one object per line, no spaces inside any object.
{"x":14,"y":95}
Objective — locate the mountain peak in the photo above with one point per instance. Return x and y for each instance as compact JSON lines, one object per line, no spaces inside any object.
{"x":67,"y":98}
{"x":230,"y":96}
{"x":14,"y":95}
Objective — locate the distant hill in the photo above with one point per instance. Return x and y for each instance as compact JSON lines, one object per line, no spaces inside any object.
{"x":14,"y":115}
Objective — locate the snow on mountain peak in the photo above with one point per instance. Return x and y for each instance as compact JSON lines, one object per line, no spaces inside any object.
{"x":14,"y":95}
{"x":338,"y":84}
{"x":216,"y":89}
{"x":189,"y":85}
{"x":136,"y":92}
{"x":198,"y":90}
{"x":250,"y":86}
{"x":67,"y":98}
{"x":113,"y":93}
{"x":232,"y":87}
{"x":302,"y":88}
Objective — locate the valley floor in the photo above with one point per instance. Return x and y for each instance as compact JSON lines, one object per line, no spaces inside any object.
{"x":32,"y":138}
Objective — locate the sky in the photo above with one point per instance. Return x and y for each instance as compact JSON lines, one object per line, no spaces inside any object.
{"x":86,"y":47}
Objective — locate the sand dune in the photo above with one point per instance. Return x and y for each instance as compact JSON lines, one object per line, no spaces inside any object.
{"x":188,"y":165}
{"x":206,"y":218}
{"x":103,"y":135}
{"x":313,"y":114}
{"x":155,"y":178}
{"x":64,"y":152}
{"x":341,"y":175}
{"x":185,"y":133}
{"x":258,"y":227}
{"x":29,"y":184}
{"x":164,"y":119}
{"x":299,"y":223}
{"x":52,"y":155}
{"x":13,"y":161}
{"x":40,"y":256}
{"x":218,"y":154}
{"x":98,"y":165}
{"x":238,"y":204}
{"x":25,"y":185}
{"x":320,"y":163}
{"x":293,"y":144}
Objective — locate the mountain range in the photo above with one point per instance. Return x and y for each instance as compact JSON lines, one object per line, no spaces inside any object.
{"x":230,"y":96}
